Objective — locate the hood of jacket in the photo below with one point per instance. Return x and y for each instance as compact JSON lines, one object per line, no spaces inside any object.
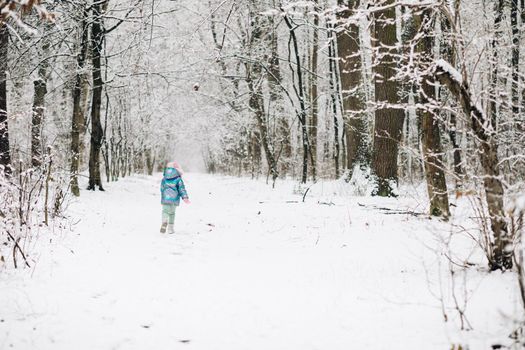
{"x":171,"y":173}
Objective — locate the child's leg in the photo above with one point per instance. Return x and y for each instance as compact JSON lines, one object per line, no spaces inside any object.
{"x":165,"y":217}
{"x":171,"y":217}
{"x":165,"y":213}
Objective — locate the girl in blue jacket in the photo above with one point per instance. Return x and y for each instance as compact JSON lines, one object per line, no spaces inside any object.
{"x":171,"y":190}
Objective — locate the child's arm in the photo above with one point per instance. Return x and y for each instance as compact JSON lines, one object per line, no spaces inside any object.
{"x":182,"y":191}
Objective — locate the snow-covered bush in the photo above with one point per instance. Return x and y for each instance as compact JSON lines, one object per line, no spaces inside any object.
{"x":32,"y":199}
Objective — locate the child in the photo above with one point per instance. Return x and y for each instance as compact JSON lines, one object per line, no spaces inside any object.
{"x":172,"y":190}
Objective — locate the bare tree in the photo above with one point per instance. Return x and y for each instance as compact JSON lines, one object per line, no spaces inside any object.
{"x":430,"y":128}
{"x":40,"y":91}
{"x":483,"y":129}
{"x":5,"y":155}
{"x":313,"y":93}
{"x":78,"y":112}
{"x":97,"y":133}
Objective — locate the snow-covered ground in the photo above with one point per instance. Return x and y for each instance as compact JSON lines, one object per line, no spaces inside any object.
{"x":248,"y":268}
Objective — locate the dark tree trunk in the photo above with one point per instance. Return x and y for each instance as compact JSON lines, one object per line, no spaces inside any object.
{"x":40,"y":87}
{"x":77,"y":124}
{"x":332,"y":69}
{"x":97,"y":133}
{"x":522,"y":8}
{"x":5,"y":155}
{"x":314,"y":95}
{"x":431,"y":137}
{"x":40,"y":91}
{"x":299,"y":88}
{"x":515,"y":60}
{"x":349,"y":52}
{"x":388,"y":119}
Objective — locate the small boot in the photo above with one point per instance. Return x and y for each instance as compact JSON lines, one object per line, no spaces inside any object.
{"x":170,"y":229}
{"x":163,"y":227}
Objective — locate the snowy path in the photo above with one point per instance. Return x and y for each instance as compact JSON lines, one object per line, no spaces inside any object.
{"x":238,"y":274}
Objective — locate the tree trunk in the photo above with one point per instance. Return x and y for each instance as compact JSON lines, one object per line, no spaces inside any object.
{"x":522,"y":7}
{"x":388,"y":118}
{"x":494,"y":93}
{"x":450,"y":53}
{"x":515,"y":60}
{"x":97,"y":133}
{"x":314,"y":103}
{"x":5,"y":155}
{"x":431,"y":138}
{"x":484,"y":131}
{"x":333,"y":94}
{"x":256,"y":104}
{"x":299,"y":88}
{"x":40,"y":91}
{"x":283,"y":139}
{"x":254,"y":80}
{"x":350,"y":66}
{"x":78,"y":112}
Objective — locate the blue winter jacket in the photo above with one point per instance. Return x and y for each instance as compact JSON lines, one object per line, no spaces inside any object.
{"x":172,"y":187}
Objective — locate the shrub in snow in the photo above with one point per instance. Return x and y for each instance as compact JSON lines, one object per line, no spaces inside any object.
{"x":360,"y":182}
{"x":32,"y":199}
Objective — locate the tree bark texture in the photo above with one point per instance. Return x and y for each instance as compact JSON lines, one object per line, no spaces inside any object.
{"x":332,"y":69}
{"x":39,"y":99}
{"x":314,"y":95}
{"x":430,"y":130}
{"x":5,"y":155}
{"x":97,"y":133}
{"x":77,"y":124}
{"x":389,"y":119}
{"x":350,"y":67}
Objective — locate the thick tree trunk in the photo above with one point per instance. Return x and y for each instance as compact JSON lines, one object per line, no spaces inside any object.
{"x":97,"y":133}
{"x":431,"y":135}
{"x":484,"y":131}
{"x":388,"y":119}
{"x":349,"y":52}
{"x":5,"y":155}
{"x":77,"y":124}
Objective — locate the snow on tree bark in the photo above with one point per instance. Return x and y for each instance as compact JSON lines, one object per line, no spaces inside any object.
{"x":350,"y":66}
{"x":389,"y":118}
{"x":494,"y":191}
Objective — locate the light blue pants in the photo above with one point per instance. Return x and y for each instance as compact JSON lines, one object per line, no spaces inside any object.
{"x":168,"y":213}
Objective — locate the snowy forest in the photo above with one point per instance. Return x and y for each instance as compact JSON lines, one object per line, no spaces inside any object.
{"x":356,"y":170}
